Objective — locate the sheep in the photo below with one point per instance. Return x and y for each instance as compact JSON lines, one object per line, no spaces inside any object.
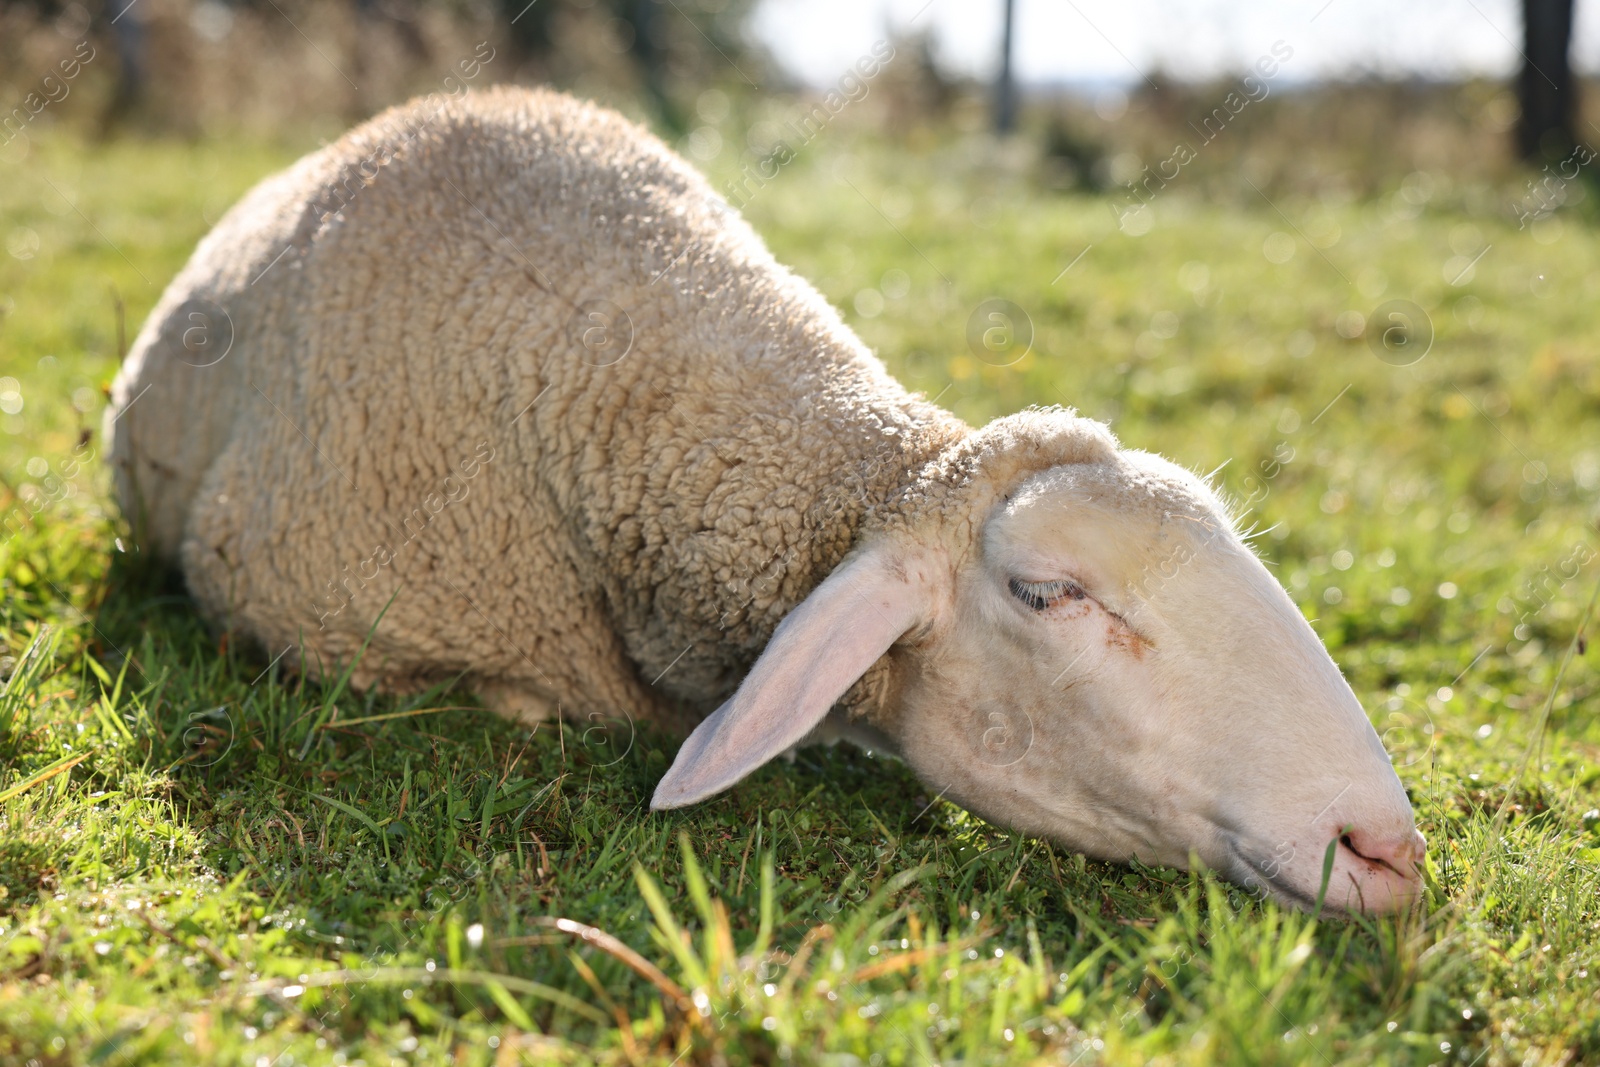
{"x":506,"y":375}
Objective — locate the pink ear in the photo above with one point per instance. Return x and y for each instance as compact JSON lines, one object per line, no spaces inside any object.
{"x":814,"y":657}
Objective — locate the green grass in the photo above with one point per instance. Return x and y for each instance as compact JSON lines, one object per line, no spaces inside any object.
{"x":203,"y":859}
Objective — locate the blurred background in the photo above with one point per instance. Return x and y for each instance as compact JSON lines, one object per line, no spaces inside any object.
{"x":1092,"y":90}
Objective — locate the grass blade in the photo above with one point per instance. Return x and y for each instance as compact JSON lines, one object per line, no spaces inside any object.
{"x":65,"y":763}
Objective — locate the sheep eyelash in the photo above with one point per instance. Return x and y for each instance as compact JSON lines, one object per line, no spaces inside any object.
{"x":1042,"y":595}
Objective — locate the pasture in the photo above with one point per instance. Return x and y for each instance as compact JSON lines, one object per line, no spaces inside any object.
{"x":204,"y":858}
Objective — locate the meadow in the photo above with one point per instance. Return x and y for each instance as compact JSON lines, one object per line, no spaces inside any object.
{"x":205,"y":858}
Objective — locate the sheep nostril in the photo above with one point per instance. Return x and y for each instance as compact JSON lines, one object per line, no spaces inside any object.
{"x":1400,"y":855}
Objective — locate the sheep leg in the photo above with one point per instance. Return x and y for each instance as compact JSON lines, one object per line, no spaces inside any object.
{"x":515,"y":700}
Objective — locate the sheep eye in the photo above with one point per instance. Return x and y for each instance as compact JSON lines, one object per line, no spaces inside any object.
{"x":1042,"y":595}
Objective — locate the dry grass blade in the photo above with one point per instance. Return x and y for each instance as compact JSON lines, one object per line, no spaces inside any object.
{"x":624,"y":1024}
{"x":393,"y":715}
{"x":66,"y":763}
{"x":906,"y":960}
{"x":672,"y":991}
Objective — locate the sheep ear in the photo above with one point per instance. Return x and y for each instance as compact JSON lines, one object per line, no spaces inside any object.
{"x":814,"y":657}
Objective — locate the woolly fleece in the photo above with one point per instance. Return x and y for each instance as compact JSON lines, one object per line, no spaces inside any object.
{"x":510,"y":361}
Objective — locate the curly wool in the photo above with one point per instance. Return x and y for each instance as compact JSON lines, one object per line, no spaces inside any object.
{"x":510,"y":368}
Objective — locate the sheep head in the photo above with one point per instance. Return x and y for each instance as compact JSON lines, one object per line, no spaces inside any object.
{"x":1101,"y":660}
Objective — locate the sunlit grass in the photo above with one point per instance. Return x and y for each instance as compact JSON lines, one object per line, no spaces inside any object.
{"x":204,"y":859}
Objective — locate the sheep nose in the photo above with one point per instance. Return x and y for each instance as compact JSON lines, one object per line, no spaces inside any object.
{"x":1401,"y":853}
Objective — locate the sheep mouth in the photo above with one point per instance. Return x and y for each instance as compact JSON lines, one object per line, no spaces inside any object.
{"x":1257,"y":873}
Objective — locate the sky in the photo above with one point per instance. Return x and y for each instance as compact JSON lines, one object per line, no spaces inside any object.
{"x":1101,"y":42}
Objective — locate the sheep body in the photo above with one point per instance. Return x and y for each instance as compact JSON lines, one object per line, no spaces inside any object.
{"x":508,"y":374}
{"x":412,"y":396}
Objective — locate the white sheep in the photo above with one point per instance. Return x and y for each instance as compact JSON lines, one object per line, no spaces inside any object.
{"x":510,"y":369}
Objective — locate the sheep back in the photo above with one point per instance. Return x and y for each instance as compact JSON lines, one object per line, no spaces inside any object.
{"x":413,"y":415}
